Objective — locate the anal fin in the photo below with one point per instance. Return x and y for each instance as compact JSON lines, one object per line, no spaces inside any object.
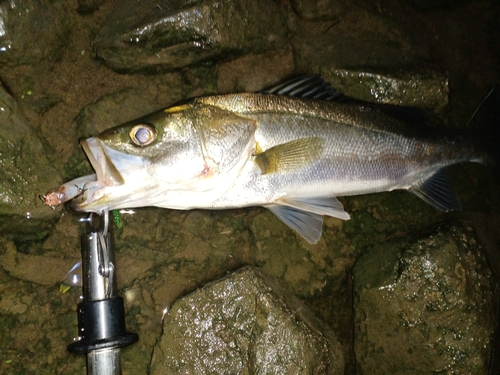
{"x":438,"y":192}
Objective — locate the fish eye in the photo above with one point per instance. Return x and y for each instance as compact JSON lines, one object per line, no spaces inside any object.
{"x":142,"y":134}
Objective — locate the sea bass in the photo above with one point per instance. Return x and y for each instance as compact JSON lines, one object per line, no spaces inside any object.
{"x":286,"y":149}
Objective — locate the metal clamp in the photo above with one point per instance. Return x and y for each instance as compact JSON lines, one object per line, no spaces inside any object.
{"x":101,"y":315}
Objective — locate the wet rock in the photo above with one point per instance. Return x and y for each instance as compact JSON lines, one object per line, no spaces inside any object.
{"x":428,"y":5}
{"x":27,"y":267}
{"x":423,"y":89}
{"x":363,"y":56}
{"x":255,"y":72}
{"x":33,"y":32}
{"x":133,"y":269}
{"x":114,"y":109}
{"x":37,"y":319}
{"x":131,"y":103}
{"x":361,"y":38}
{"x":152,"y":36}
{"x":24,"y":169}
{"x":245,"y":323}
{"x":88,"y":6}
{"x":306,"y":270}
{"x":424,"y":306}
{"x":320,"y":9}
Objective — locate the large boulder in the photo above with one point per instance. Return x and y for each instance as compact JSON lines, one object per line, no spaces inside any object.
{"x":146,"y":36}
{"x":424,"y":306}
{"x":245,"y":323}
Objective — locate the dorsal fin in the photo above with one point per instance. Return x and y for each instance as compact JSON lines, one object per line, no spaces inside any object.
{"x":303,"y":86}
{"x":315,"y":87}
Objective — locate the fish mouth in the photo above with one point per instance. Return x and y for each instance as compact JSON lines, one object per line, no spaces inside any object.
{"x":99,"y":156}
{"x":107,"y":176}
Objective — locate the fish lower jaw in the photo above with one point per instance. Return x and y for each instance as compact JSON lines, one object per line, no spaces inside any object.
{"x":98,"y":198}
{"x":89,"y":202}
{"x":95,"y":198}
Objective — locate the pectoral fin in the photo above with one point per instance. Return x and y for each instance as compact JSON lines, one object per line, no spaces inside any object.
{"x":437,"y":191}
{"x":291,"y":156}
{"x":305,"y":214}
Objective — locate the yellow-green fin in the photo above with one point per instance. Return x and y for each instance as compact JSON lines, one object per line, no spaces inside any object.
{"x":291,"y":156}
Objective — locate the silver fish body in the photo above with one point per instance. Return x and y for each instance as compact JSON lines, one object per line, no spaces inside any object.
{"x":290,"y":155}
{"x":326,"y":149}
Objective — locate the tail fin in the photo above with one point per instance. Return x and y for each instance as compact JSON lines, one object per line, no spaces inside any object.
{"x":485,"y":122}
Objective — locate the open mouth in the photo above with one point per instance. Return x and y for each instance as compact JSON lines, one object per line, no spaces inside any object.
{"x":116,"y":176}
{"x":106,"y":172}
{"x":91,"y":189}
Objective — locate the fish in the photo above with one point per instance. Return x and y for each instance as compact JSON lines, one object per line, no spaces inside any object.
{"x":293,"y":149}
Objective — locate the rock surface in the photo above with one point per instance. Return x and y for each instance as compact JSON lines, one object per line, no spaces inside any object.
{"x":27,"y":38}
{"x":25,"y":171}
{"x":245,"y":323}
{"x":320,"y":9}
{"x":147,"y":36}
{"x":425,"y":306}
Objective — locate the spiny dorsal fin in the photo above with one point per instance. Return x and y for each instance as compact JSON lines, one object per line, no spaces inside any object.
{"x":315,"y":87}
{"x":437,"y":191}
{"x":311,"y":87}
{"x":291,"y":156}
